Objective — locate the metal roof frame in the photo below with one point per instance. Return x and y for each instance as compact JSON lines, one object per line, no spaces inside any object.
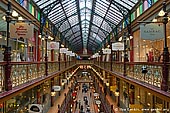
{"x":103,"y":17}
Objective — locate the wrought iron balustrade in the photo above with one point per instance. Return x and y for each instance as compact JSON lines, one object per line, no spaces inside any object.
{"x":24,"y":72}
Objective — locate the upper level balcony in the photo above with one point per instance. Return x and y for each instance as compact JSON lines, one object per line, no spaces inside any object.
{"x":27,"y":73}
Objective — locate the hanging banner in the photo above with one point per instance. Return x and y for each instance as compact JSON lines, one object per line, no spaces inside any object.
{"x":21,"y":30}
{"x":63,"y":50}
{"x":53,"y":45}
{"x":69,"y":53}
{"x":73,"y":54}
{"x":56,"y":88}
{"x":118,"y":46}
{"x":107,"y":51}
{"x":151,"y":31}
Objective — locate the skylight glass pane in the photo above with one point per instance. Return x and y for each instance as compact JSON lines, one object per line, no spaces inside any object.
{"x":77,"y":34}
{"x":85,"y":15}
{"x":100,"y":11}
{"x":76,"y":28}
{"x":73,"y":20}
{"x":94,"y":28}
{"x":64,"y":26}
{"x":98,"y":38}
{"x":97,"y":20}
{"x":125,"y":3}
{"x":68,"y":33}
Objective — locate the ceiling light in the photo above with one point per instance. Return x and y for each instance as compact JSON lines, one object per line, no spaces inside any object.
{"x":39,"y":35}
{"x":131,"y":37}
{"x":161,"y":13}
{"x":14,"y":13}
{"x":154,"y":20}
{"x":4,"y":18}
{"x":120,"y":39}
{"x":20,"y":18}
{"x":62,"y":45}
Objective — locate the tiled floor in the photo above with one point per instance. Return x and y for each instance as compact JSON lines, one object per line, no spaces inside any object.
{"x":60,"y":100}
{"x":90,"y":99}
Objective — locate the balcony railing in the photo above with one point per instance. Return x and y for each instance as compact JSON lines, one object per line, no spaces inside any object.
{"x":24,"y":72}
{"x":153,"y":76}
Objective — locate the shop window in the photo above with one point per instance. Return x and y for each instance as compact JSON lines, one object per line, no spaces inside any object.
{"x":147,"y":50}
{"x":158,"y":104}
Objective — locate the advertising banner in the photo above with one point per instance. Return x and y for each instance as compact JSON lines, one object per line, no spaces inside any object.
{"x":21,"y":30}
{"x":53,"y":45}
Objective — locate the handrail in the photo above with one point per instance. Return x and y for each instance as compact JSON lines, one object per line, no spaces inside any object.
{"x":24,"y":72}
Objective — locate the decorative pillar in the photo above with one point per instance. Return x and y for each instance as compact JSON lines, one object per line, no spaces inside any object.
{"x":125,"y":55}
{"x":165,"y":69}
{"x":7,"y":52}
{"x":46,"y":56}
{"x":52,"y":97}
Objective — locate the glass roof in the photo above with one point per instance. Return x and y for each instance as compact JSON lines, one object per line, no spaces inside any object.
{"x":85,"y":24}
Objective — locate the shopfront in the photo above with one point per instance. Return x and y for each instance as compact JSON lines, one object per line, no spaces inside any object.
{"x":150,"y":49}
{"x":20,"y":103}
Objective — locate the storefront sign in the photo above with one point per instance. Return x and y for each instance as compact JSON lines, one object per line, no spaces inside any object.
{"x":21,"y":30}
{"x":96,"y":94}
{"x":107,"y":51}
{"x":57,"y":88}
{"x":63,"y":50}
{"x":117,"y":46}
{"x":53,"y":45}
{"x":35,"y":108}
{"x":98,"y":102}
{"x":151,"y":31}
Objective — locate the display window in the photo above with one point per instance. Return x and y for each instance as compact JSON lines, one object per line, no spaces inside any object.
{"x":149,"y":50}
